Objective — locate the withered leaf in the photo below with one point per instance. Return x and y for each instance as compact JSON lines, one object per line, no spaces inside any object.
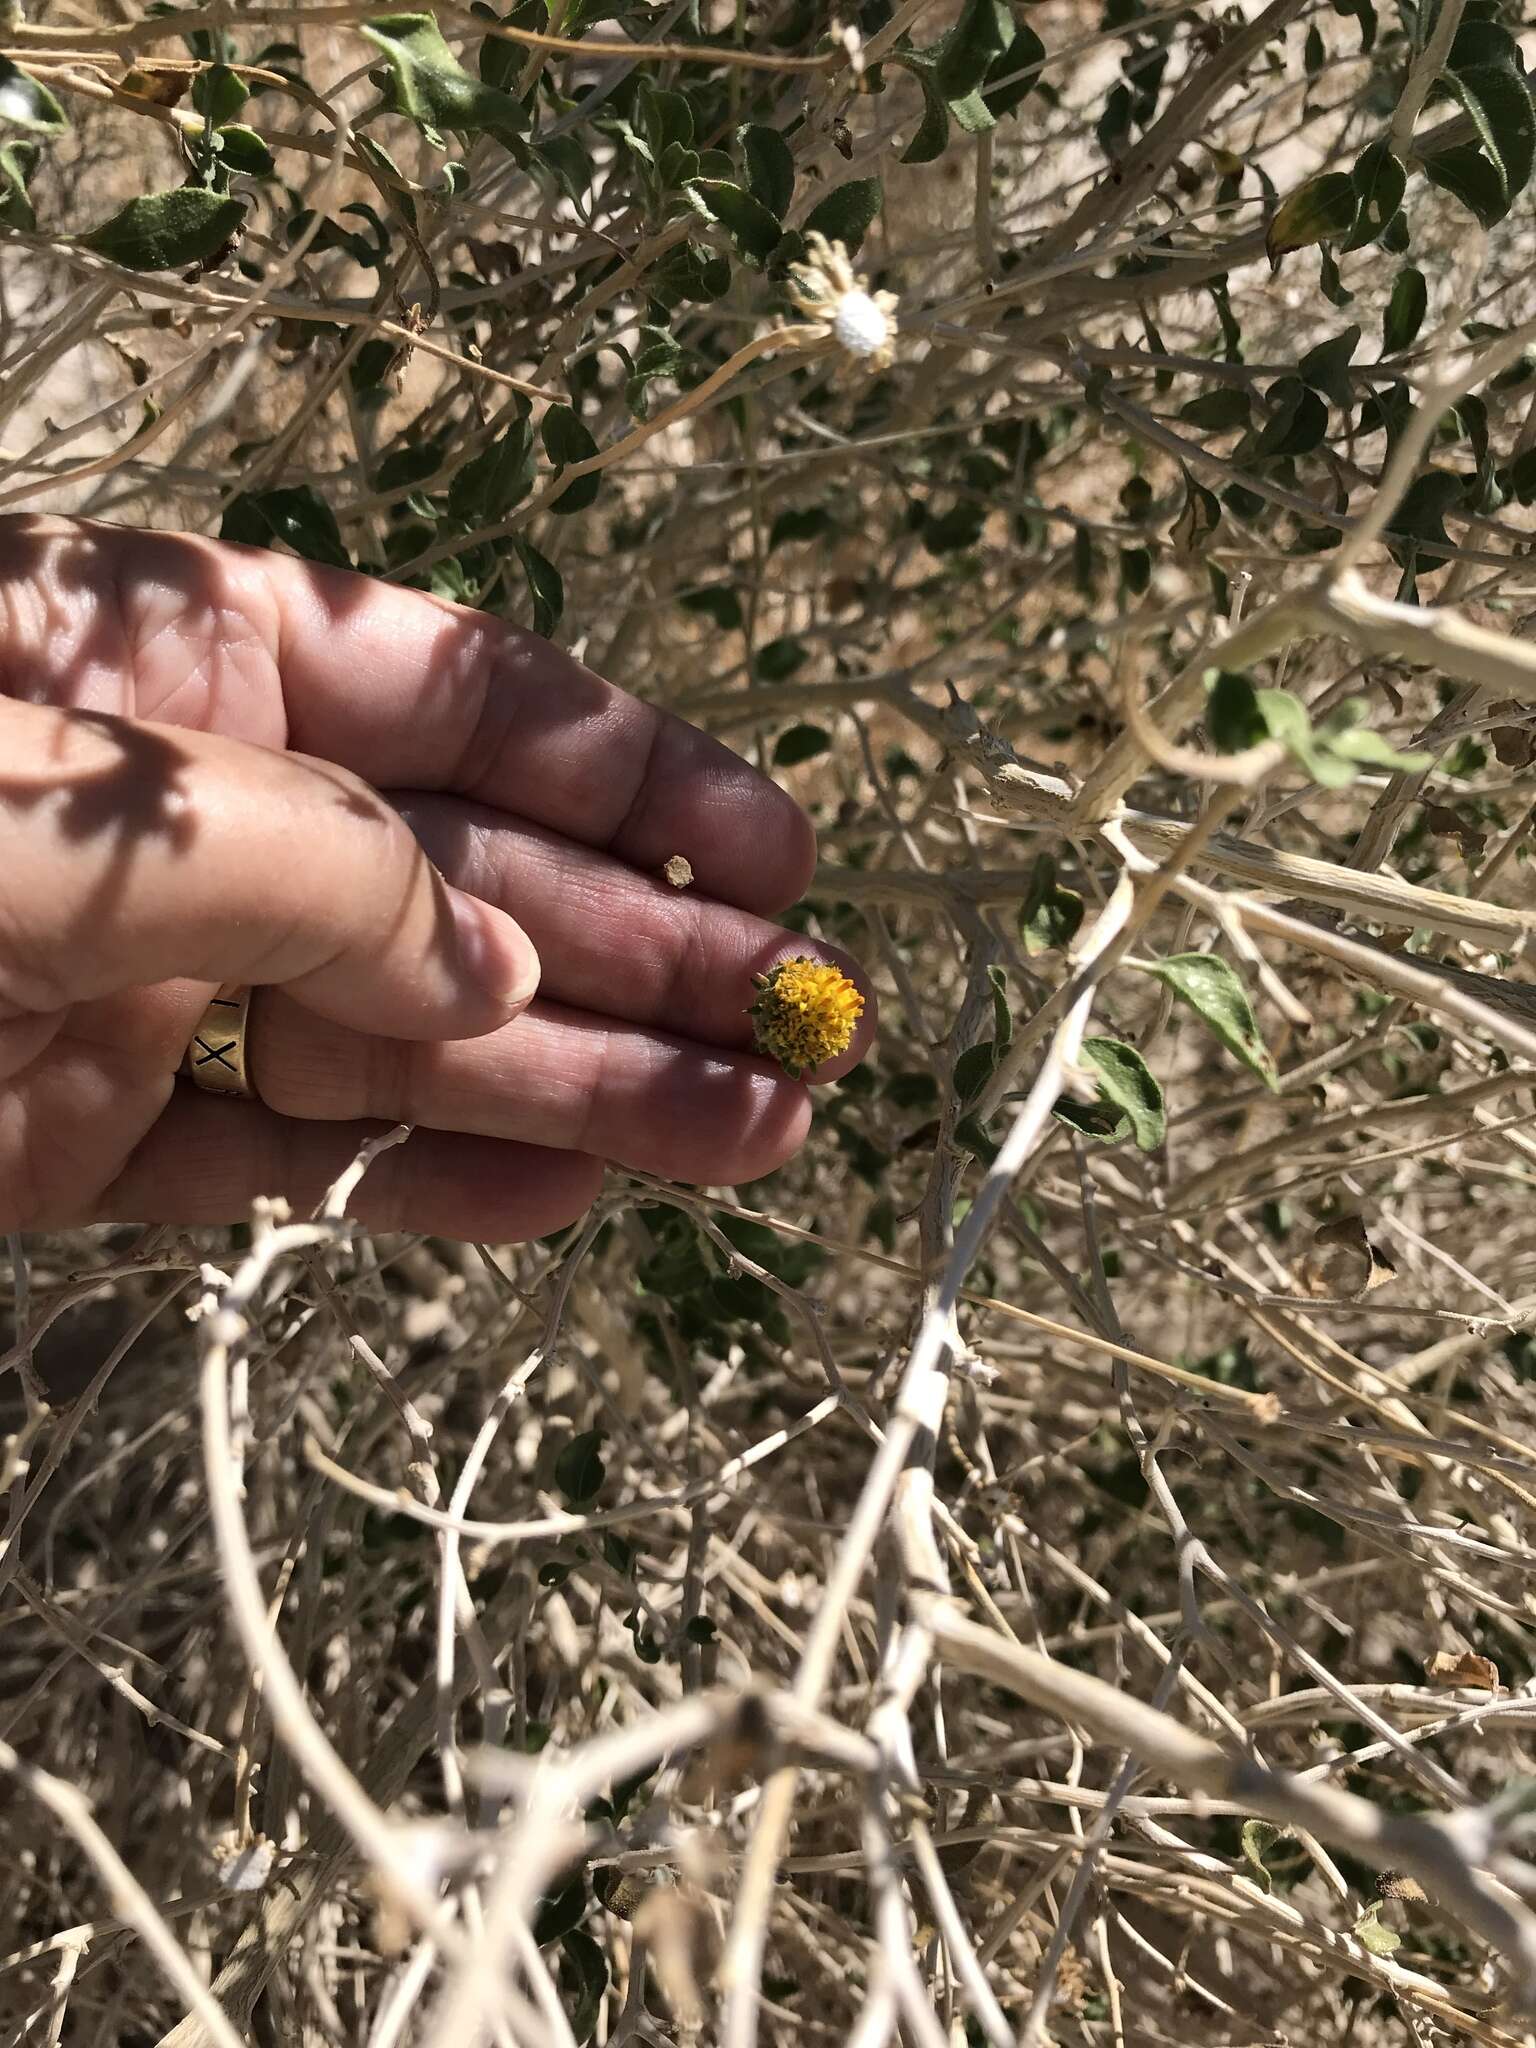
{"x":1462,"y":1667}
{"x":161,"y":84}
{"x":1343,"y":1261}
{"x":1397,"y":1884}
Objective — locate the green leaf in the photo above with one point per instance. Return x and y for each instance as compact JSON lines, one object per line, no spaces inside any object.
{"x":566,"y":441}
{"x":492,"y":482}
{"x":746,"y":220}
{"x":799,"y":523}
{"x":582,"y":1960}
{"x":1198,"y":518}
{"x":1002,"y":1012}
{"x":287,"y":59}
{"x":1298,"y":421}
{"x":847,"y":213}
{"x":394,"y":181}
{"x":1232,"y":714}
{"x":679,"y":166}
{"x":1127,"y":1087}
{"x":567,"y":160}
{"x":930,"y":138}
{"x":167,"y":230}
{"x":218,"y":94}
{"x":1321,"y":210}
{"x":777,"y":660}
{"x":1499,"y":103}
{"x":1238,"y":716}
{"x":1326,"y":367}
{"x":1373,"y":1934}
{"x":1480,"y":39}
{"x":1405,"y":311}
{"x":581,"y":15}
{"x":972,"y":115}
{"x":973,"y":1070}
{"x":1467,"y":175}
{"x":661,"y":356}
{"x":1329,"y":280}
{"x":633,"y":140}
{"x":26,"y":104}
{"x":579,"y":1469}
{"x":1379,"y":181}
{"x":1112,"y":130}
{"x":1217,"y":996}
{"x":717,"y":601}
{"x":770,"y":167}
{"x":1218,"y":411}
{"x":978,"y":38}
{"x":971,"y":1133}
{"x":545,"y":585}
{"x":647,"y":1648}
{"x":1352,"y":742}
{"x":1024,"y":53}
{"x":560,"y":1911}
{"x":1386,"y":411}
{"x":1257,"y":1836}
{"x":500,"y":60}
{"x":295,"y":515}
{"x":372,"y":365}
{"x":18,"y":160}
{"x":1287,"y":720}
{"x":801,"y":743}
{"x":666,"y":118}
{"x":242,"y":149}
{"x":1051,"y":915}
{"x":1421,"y":515}
{"x":427,"y":83}
{"x":689,"y":273}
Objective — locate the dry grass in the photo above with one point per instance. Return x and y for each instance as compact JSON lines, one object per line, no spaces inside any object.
{"x":1239,"y":1426}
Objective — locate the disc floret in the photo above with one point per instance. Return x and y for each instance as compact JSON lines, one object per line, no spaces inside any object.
{"x":805,"y":1013}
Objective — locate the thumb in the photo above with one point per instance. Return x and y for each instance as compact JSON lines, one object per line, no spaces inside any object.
{"x":133,"y":853}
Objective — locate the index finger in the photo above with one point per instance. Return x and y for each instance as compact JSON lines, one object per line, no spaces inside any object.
{"x":410,"y":691}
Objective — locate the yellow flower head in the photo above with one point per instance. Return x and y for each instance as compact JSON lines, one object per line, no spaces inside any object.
{"x":804,"y":1014}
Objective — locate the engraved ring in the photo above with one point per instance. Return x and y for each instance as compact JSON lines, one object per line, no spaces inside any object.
{"x":215,"y":1055}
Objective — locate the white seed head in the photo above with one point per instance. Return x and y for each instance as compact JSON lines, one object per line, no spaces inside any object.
{"x":827,"y":289}
{"x":860,"y":325}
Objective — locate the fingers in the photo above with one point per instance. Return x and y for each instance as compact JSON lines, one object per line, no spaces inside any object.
{"x":616,"y":942}
{"x":134,"y":853}
{"x":403,"y":689}
{"x":205,"y":1161}
{"x":413,"y":692}
{"x":555,"y":1077}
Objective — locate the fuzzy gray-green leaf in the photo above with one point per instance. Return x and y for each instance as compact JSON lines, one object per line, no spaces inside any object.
{"x":1214,"y":991}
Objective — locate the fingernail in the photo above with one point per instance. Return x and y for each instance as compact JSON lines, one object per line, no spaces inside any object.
{"x":495,"y":951}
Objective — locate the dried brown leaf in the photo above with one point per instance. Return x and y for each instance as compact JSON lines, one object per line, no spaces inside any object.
{"x":1462,"y":1667}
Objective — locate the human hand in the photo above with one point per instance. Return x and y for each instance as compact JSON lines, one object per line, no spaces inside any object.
{"x":193,"y":742}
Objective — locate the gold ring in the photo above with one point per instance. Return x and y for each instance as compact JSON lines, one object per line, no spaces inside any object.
{"x":215,"y":1055}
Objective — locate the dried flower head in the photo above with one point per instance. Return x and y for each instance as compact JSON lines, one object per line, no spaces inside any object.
{"x":1071,"y":1980}
{"x":804,"y":1014}
{"x":828,"y":290}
